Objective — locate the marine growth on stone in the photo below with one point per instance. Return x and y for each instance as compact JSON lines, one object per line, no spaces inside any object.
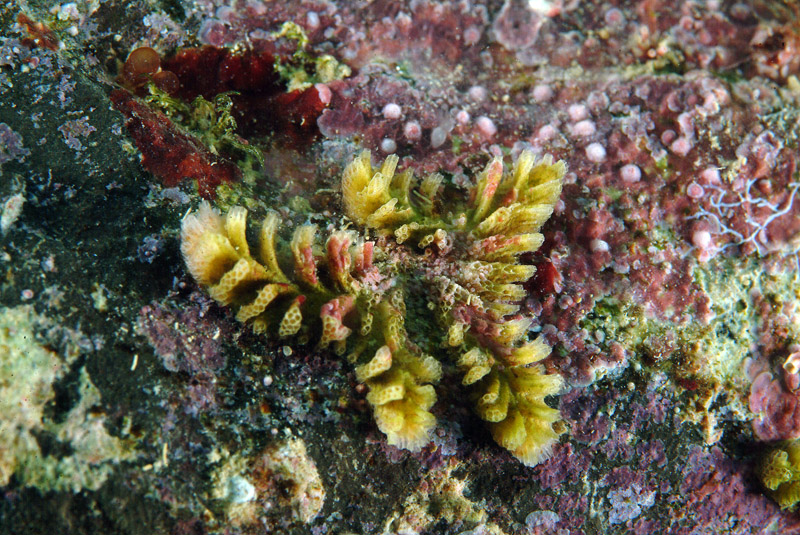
{"x":348,"y":290}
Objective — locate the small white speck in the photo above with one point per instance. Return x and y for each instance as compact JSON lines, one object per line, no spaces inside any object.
{"x":240,"y":490}
{"x":595,"y":152}
{"x":388,"y":145}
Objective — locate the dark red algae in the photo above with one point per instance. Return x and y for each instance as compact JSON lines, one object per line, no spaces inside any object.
{"x":170,"y":154}
{"x":40,"y":35}
{"x":261,"y":104}
{"x":261,"y":107}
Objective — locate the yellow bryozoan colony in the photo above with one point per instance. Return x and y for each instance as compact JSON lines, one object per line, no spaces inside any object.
{"x":462,"y":257}
{"x":780,"y":473}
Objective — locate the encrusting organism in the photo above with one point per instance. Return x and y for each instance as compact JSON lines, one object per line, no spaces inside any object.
{"x":780,"y":473}
{"x":465,"y":256}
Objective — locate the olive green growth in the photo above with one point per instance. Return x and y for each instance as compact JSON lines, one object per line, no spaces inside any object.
{"x":302,"y":70}
{"x":780,"y":473}
{"x":211,"y":121}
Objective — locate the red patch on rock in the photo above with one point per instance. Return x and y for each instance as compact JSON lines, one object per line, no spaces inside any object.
{"x":169,"y":153}
{"x":261,"y":104}
{"x":40,"y":34}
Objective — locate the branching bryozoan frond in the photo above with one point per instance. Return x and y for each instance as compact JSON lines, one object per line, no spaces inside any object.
{"x":468,"y":259}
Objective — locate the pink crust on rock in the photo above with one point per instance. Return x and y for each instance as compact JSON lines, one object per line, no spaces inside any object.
{"x":595,"y":152}
{"x":324,"y":93}
{"x":778,"y":409}
{"x":542,"y":93}
{"x":630,"y":173}
{"x":584,"y":128}
{"x":485,"y":126}
{"x":578,"y":112}
{"x":392,"y":111}
{"x":412,"y":130}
